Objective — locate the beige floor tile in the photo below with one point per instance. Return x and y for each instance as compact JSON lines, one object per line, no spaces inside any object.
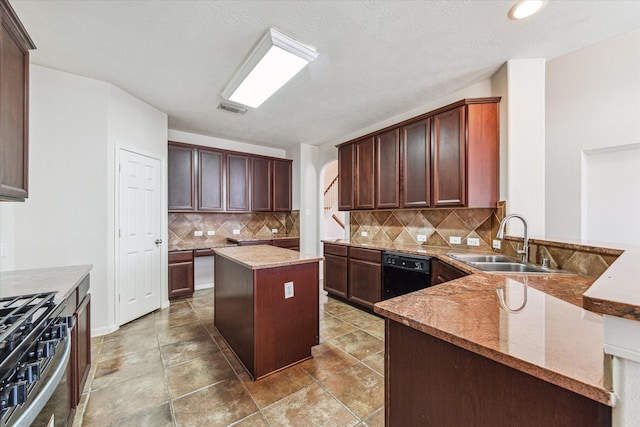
{"x":327,"y":359}
{"x":141,"y":325}
{"x":126,"y":344}
{"x":376,"y":420}
{"x":359,"y":344}
{"x":176,"y":318}
{"x":255,"y":420}
{"x":219,"y":405}
{"x":125,"y":367}
{"x":157,"y":416}
{"x":375,"y":362}
{"x":125,"y":399}
{"x":178,"y":305}
{"x":359,"y":388}
{"x":336,"y":308}
{"x":183,"y":351}
{"x":358,"y":318}
{"x":180,"y":333}
{"x":197,"y":373}
{"x":333,"y":327}
{"x":311,"y":406}
{"x":277,"y":386}
{"x":376,"y":329}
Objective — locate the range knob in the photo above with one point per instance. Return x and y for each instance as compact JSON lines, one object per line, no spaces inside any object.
{"x":46,"y":348}
{"x":14,"y":394}
{"x":32,"y":372}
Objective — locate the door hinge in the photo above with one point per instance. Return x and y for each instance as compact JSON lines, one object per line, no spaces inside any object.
{"x":119,"y":233}
{"x":119,"y":167}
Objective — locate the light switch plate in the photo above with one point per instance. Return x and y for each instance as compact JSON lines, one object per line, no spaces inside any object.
{"x":288,"y":290}
{"x":497,"y":244}
{"x":211,"y":233}
{"x":197,"y":233}
{"x":473,"y":241}
{"x":454,"y":240}
{"x":421,"y":238}
{"x":236,"y":231}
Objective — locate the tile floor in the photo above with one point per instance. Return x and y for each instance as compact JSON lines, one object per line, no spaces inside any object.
{"x":170,"y":368}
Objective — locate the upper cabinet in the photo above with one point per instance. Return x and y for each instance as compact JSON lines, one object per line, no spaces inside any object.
{"x":445,"y":158}
{"x":203,"y":179}
{"x":14,"y":106}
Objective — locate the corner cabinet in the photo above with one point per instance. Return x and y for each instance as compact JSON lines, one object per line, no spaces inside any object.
{"x":15,"y":44}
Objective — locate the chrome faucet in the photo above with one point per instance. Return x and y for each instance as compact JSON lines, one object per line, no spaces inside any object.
{"x":525,"y":249}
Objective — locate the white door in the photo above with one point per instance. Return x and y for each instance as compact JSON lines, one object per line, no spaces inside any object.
{"x":140,"y":234}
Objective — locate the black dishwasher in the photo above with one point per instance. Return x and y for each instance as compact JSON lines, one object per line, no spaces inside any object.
{"x":404,"y":273}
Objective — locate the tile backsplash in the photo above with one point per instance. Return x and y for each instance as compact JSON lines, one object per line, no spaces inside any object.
{"x":182,"y":226}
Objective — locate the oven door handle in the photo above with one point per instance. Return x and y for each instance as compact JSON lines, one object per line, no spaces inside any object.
{"x":46,"y":391}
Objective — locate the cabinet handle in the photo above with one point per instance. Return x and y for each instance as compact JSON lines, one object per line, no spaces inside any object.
{"x":158,"y":241}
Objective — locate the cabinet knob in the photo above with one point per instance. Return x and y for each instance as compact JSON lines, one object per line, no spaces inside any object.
{"x":158,"y":241}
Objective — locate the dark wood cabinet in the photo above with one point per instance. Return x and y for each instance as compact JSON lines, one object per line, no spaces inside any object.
{"x":237,"y":183}
{"x":442,"y":272}
{"x":79,"y":303}
{"x":181,"y":172}
{"x":211,"y":179}
{"x":387,"y":183}
{"x":261,"y":184}
{"x":365,"y":276}
{"x":14,"y":106}
{"x":292,"y":243}
{"x":429,"y":381}
{"x":181,"y":283}
{"x":416,"y":164}
{"x":335,"y":269}
{"x":364,"y":177}
{"x":449,"y":158}
{"x":282,"y":185}
{"x":346,"y":160}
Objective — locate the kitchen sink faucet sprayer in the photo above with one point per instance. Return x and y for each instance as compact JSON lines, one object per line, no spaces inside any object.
{"x":525,"y":249}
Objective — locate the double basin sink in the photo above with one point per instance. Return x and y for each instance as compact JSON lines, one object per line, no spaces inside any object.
{"x":502,"y":264}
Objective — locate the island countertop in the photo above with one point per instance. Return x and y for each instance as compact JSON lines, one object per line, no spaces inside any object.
{"x":263,"y":256}
{"x":62,"y":280}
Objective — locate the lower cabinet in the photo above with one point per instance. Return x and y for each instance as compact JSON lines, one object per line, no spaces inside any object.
{"x":442,"y":272}
{"x":353,"y":274}
{"x":180,"y":274}
{"x":81,"y":336}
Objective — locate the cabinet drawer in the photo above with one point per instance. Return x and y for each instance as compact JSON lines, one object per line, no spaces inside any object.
{"x":180,"y":256}
{"x":366,"y":255}
{"x":286,"y":243}
{"x":338,"y":250}
{"x":203,"y":252}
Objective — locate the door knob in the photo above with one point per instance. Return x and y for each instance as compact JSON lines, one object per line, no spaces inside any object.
{"x":158,"y":241}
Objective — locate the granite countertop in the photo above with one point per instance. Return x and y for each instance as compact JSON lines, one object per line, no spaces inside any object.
{"x":57,"y":279}
{"x":258,"y":257}
{"x":265,"y":238}
{"x":198,"y":245}
{"x":552,"y":338}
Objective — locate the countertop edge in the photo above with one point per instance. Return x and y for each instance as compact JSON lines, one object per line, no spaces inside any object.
{"x":66,"y":279}
{"x":310,"y":259}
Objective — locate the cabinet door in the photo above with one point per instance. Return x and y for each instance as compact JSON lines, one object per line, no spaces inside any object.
{"x":82,"y":359}
{"x":364,"y":178}
{"x":442,"y":272}
{"x":387,"y":182}
{"x":182,"y":178}
{"x":180,"y":274}
{"x":237,"y":183}
{"x":449,"y":162}
{"x":365,"y":282}
{"x":261,"y":184}
{"x":282,"y":185}
{"x":210,"y":180}
{"x":346,"y":159}
{"x":14,"y":111}
{"x":416,"y":164}
{"x":335,"y":275}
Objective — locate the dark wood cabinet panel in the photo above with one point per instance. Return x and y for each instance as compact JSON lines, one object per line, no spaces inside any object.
{"x":181,"y":172}
{"x":432,"y":382}
{"x":282,"y":185}
{"x":442,"y":272}
{"x":449,"y":158}
{"x":82,"y":359}
{"x":364,"y":177}
{"x":237,"y":183}
{"x":365,"y":276}
{"x":416,"y":164}
{"x":180,"y":274}
{"x":14,"y":106}
{"x":292,"y":243}
{"x":211,"y":180}
{"x":335,"y":270}
{"x":346,"y":193}
{"x":483,"y":154}
{"x":261,"y":184}
{"x":387,"y":184}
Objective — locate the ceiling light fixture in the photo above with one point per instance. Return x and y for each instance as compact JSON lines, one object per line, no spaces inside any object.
{"x":274,"y":61}
{"x":525,"y":8}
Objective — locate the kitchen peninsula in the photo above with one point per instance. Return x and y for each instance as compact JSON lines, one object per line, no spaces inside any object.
{"x":266,"y":305}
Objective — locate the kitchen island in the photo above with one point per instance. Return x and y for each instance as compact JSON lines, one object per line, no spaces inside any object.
{"x":267,"y":305}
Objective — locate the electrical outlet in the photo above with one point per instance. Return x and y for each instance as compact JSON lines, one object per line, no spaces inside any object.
{"x":236,"y":231}
{"x":288,"y":290}
{"x":364,"y":234}
{"x":497,"y":244}
{"x":455,"y":240}
{"x":197,"y":233}
{"x":274,"y":230}
{"x":473,"y":241}
{"x":421,"y":238}
{"x":211,"y":233}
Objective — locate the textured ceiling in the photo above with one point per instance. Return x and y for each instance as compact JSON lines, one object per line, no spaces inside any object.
{"x":377,"y":59}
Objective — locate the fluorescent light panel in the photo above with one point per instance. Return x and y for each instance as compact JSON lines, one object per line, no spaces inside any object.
{"x":274,"y":61}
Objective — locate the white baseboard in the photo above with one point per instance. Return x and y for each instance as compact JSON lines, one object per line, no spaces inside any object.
{"x":203,"y":286}
{"x":106,"y":330}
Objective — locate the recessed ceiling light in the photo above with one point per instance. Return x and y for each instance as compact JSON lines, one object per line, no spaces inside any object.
{"x":525,"y":8}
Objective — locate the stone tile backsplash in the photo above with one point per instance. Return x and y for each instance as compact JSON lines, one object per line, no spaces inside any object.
{"x":251,"y":225}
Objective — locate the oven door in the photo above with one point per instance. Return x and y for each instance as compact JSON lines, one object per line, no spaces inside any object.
{"x":51,"y":404}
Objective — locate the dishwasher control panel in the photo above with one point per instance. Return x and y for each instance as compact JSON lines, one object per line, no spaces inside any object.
{"x":406,"y":262}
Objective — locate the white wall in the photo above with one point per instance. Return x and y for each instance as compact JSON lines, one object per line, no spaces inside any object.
{"x":593,"y":102}
{"x":68,"y":219}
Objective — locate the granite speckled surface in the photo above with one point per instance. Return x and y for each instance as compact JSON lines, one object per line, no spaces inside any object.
{"x":189,"y":246}
{"x":264,"y":256}
{"x":258,"y":238}
{"x":58,"y":279}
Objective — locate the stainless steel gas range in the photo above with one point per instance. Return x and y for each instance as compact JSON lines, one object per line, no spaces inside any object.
{"x":34,"y":354}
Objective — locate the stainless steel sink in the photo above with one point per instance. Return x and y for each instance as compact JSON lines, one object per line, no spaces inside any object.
{"x":467,"y":258}
{"x":502,"y":264}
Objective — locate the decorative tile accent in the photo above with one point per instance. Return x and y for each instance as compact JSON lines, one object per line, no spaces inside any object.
{"x":251,"y":225}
